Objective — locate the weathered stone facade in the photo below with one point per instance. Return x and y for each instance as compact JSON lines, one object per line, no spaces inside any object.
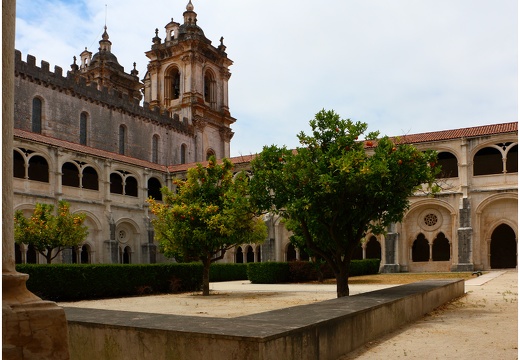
{"x":123,"y":152}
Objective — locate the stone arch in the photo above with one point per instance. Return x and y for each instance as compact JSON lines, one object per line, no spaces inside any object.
{"x":420,"y":249}
{"x":70,"y":174}
{"x":373,"y":248}
{"x":488,"y":160}
{"x":239,"y":255}
{"x":19,"y":164}
{"x":172,"y":82}
{"x":210,"y":87}
{"x":154,"y":188}
{"x":210,"y":152}
{"x":503,"y":247}
{"x":441,"y":249}
{"x":116,"y":183}
{"x":131,"y":186}
{"x":89,"y":178}
{"x":512,"y":159}
{"x":38,"y":168}
{"x":290,"y":252}
{"x":449,"y":164}
{"x":250,"y":254}
{"x":127,"y":236}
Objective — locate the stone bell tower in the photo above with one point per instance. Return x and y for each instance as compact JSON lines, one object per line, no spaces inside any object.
{"x":187,"y":77}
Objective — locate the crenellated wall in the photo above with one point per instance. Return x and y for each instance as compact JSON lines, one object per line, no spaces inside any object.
{"x":64,"y":98}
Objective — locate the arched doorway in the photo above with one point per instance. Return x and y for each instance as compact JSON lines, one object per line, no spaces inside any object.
{"x":85,"y":254}
{"x":502,"y":250}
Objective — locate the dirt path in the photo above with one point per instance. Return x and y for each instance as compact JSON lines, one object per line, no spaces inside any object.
{"x":481,"y":325}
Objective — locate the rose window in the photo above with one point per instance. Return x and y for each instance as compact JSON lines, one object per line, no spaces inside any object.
{"x":430,"y":219}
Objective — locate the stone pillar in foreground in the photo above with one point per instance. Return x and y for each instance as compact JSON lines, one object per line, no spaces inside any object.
{"x":31,"y":328}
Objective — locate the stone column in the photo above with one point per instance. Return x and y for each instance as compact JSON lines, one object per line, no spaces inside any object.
{"x":464,"y":238}
{"x":31,"y":328}
{"x":390,"y":254}
{"x":200,"y":125}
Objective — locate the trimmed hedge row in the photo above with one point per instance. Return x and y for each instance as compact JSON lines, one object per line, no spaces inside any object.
{"x":304,"y":271}
{"x":64,"y":282}
{"x":72,"y":282}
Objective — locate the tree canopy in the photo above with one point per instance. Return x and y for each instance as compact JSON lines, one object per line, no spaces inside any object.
{"x":335,"y":188}
{"x":208,"y":214}
{"x":48,"y":232}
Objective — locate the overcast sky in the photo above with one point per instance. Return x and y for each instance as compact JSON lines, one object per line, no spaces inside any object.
{"x":401,"y":66}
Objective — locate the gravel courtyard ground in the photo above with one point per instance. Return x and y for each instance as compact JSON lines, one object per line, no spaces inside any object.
{"x":483,"y":324}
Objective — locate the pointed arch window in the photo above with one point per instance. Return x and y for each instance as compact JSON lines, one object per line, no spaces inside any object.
{"x":83,"y":128}
{"x":37,"y":115}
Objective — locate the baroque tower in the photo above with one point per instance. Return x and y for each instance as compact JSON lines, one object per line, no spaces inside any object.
{"x":187,"y":77}
{"x":105,"y":70}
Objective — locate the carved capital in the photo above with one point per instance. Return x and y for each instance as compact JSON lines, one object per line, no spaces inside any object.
{"x":199,"y":122}
{"x":226,"y":134}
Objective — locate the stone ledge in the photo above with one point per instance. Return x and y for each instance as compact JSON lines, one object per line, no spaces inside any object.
{"x":324,"y":330}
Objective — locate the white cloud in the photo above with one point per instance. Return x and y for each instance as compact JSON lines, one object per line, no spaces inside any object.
{"x":401,"y":66}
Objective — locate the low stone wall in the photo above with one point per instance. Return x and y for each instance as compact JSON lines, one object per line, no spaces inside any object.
{"x":324,"y":330}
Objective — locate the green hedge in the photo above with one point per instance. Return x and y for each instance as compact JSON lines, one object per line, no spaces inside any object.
{"x":227,"y":272}
{"x":304,"y":271}
{"x":72,"y":282}
{"x":268,"y":272}
{"x":64,"y":282}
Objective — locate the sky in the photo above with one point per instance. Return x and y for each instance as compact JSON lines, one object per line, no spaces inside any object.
{"x":401,"y":66}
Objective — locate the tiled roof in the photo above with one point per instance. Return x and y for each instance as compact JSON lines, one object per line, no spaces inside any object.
{"x":410,"y":139}
{"x":460,"y":133}
{"x":27,"y":135}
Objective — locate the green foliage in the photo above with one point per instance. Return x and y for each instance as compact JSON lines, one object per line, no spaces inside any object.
{"x":72,"y":282}
{"x":209,"y":214}
{"x":48,"y":232}
{"x":268,"y":272}
{"x":331,"y":191}
{"x":228,"y":272}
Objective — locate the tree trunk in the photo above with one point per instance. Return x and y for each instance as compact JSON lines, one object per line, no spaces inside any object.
{"x":48,"y":256}
{"x":342,"y":281}
{"x":205,"y":276}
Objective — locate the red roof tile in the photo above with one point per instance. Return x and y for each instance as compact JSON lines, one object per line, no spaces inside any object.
{"x":27,"y":135}
{"x":410,"y":139}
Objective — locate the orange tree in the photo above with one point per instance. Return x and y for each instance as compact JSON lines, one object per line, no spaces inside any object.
{"x":210,"y":213}
{"x":48,"y":232}
{"x":331,"y":191}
